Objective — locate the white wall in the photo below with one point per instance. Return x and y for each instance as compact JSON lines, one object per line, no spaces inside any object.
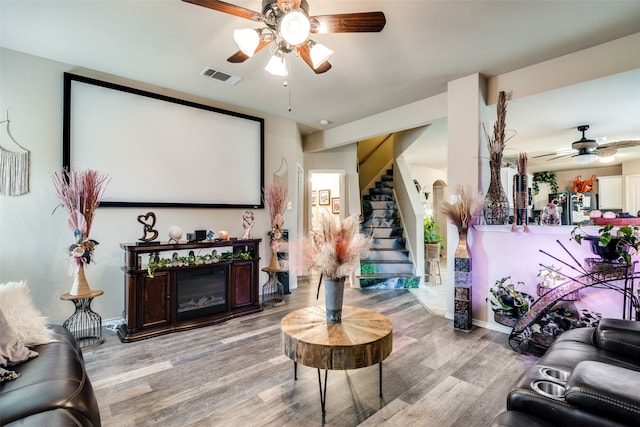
{"x":33,"y":242}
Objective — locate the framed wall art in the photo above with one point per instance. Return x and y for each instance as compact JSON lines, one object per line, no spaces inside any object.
{"x":335,"y":205}
{"x":324,"y":197}
{"x":314,"y":197}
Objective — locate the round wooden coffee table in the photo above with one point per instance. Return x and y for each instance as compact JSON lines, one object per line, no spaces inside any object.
{"x":363,"y":338}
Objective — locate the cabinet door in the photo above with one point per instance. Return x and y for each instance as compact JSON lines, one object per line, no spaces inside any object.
{"x":154,"y":300}
{"x":610,"y":192}
{"x":242,"y":284}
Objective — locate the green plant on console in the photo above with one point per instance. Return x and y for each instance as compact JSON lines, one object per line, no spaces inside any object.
{"x":158,"y":263}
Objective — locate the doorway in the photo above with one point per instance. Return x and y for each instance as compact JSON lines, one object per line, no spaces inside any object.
{"x":326,"y":195}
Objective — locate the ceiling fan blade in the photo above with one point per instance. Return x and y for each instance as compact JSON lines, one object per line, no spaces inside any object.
{"x":621,"y":144}
{"x":561,"y":156}
{"x":305,"y":54}
{"x":232,"y":9}
{"x":239,"y":56}
{"x":365,"y":22}
{"x":544,"y":155}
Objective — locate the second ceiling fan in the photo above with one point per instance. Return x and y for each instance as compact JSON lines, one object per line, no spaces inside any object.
{"x":288,"y":26}
{"x":589,"y":149}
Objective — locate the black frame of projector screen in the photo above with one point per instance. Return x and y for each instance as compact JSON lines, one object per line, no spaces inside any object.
{"x":66,"y":144}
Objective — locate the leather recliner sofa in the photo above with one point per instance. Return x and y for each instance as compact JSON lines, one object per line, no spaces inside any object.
{"x":53,"y":389}
{"x":588,"y":377}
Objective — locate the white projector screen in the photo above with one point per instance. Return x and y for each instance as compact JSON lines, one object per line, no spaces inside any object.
{"x":161,"y":151}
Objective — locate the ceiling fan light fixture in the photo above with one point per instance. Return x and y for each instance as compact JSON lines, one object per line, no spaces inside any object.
{"x":247,"y":40}
{"x":319,"y":53}
{"x":295,"y":28}
{"x":277,"y":65}
{"x":607,"y":159}
{"x":585,"y":159}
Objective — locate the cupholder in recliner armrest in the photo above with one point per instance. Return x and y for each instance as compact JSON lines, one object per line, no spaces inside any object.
{"x":554,"y":374}
{"x":605,"y":390}
{"x":549,"y":389}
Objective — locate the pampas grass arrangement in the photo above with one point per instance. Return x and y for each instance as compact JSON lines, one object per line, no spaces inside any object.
{"x":336,"y":249}
{"x":468,"y":205}
{"x":275,"y":197}
{"x":80,"y":192}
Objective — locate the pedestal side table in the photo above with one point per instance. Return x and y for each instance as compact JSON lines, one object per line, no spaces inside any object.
{"x":272,"y":290}
{"x":84,"y":324}
{"x":363,"y":338}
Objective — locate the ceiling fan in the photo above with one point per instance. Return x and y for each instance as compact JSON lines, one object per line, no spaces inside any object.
{"x":288,"y":26}
{"x":587,"y":150}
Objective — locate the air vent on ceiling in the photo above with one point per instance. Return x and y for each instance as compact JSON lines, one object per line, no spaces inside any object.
{"x":220,"y":76}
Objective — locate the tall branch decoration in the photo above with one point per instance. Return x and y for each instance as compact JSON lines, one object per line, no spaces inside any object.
{"x":79,"y":192}
{"x":520,"y":194}
{"x":496,"y":202}
{"x":461,"y":213}
{"x":275,"y":196}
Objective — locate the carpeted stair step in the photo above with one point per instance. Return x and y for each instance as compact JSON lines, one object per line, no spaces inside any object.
{"x":387,"y":255}
{"x":374,"y":267}
{"x":388,"y":243}
{"x":386,"y":281}
{"x":381,"y":192}
{"x":379,"y":204}
{"x":383,"y":232}
{"x":377,"y":222}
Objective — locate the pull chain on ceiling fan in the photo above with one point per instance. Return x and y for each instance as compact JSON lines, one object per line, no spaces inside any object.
{"x":288,"y":27}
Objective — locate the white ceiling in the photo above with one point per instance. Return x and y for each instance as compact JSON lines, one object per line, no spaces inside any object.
{"x":424,"y":45}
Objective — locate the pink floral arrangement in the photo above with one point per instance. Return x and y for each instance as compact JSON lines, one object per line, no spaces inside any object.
{"x":275,"y":196}
{"x":337,"y":247}
{"x":80,"y":192}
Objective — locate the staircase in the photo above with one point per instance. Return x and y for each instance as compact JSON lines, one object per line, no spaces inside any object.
{"x":387,"y":265}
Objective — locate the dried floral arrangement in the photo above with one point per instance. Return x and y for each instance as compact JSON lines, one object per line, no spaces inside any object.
{"x":497,"y":143}
{"x":80,"y":192}
{"x":468,"y":205}
{"x":275,"y":197}
{"x":335,"y":251}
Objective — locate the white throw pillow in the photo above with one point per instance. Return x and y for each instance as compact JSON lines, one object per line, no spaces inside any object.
{"x":29,"y":325}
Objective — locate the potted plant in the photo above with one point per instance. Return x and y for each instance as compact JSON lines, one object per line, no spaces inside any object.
{"x":613,"y":244}
{"x":507,"y":303}
{"x":433,"y":242}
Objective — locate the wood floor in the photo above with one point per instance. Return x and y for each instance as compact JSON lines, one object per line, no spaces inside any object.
{"x":234,"y":373}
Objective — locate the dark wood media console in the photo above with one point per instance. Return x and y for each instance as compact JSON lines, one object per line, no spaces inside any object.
{"x":177,"y":298}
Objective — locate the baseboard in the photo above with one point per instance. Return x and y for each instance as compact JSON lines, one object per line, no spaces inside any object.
{"x":487,"y":325}
{"x":112,"y":324}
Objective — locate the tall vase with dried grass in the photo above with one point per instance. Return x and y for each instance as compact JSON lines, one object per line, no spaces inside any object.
{"x":80,"y":192}
{"x":461,"y":213}
{"x":275,"y":196}
{"x":335,"y":252}
{"x":496,"y":202}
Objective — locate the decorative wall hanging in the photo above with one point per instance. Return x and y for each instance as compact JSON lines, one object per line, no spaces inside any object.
{"x":14,"y":167}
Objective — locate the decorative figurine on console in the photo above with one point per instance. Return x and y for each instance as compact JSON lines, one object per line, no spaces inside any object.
{"x":248,"y":221}
{"x":148,"y":221}
{"x":175,"y":234}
